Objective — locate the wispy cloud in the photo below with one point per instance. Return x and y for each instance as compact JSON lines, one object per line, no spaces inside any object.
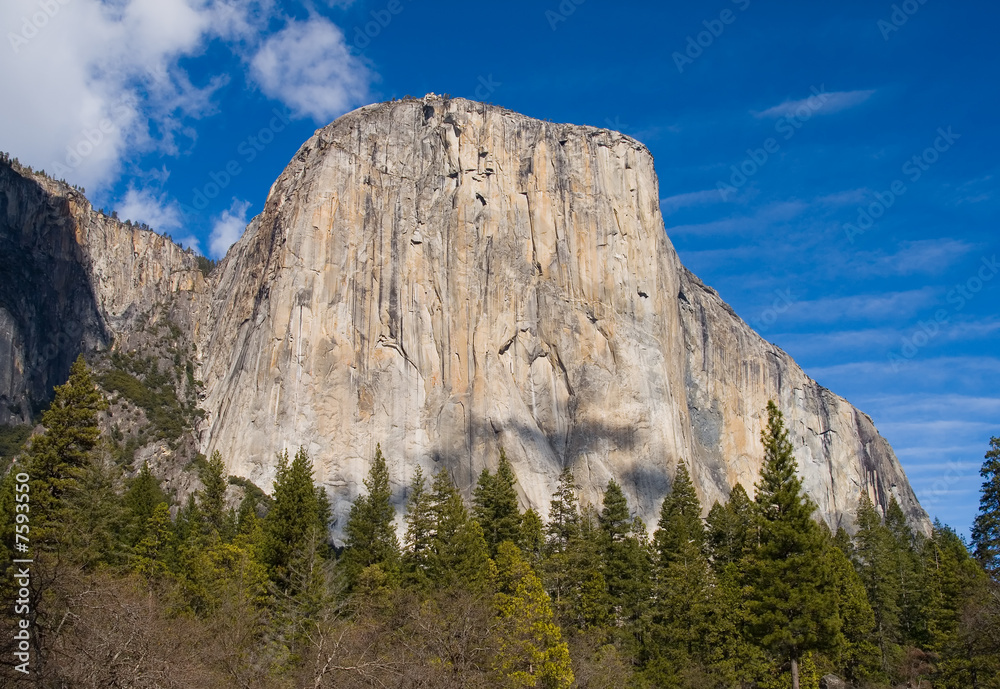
{"x":694,"y":198}
{"x":763,"y":218}
{"x":228,"y":228}
{"x":824,"y":104}
{"x":150,"y":207}
{"x":926,"y":256}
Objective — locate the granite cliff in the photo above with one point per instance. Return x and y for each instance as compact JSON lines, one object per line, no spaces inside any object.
{"x":445,"y":278}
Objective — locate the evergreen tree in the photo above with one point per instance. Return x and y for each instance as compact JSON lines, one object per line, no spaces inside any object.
{"x":212,"y":498}
{"x":495,"y":505}
{"x":419,"y":541}
{"x":856,"y":655}
{"x":531,"y":651}
{"x":626,"y":561}
{"x":564,"y":513}
{"x":729,"y":529}
{"x":57,"y":458}
{"x":795,"y":605}
{"x":152,"y":554}
{"x":986,"y":527}
{"x":683,"y":607}
{"x":905,"y":564}
{"x":680,"y":533}
{"x":876,"y":563}
{"x":141,"y":498}
{"x":532,"y":536}
{"x":293,"y":519}
{"x":370,"y":533}
{"x":459,"y":555}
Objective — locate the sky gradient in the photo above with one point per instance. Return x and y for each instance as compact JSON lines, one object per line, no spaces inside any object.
{"x":829,"y":168}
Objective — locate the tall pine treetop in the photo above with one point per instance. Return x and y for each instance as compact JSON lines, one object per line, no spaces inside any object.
{"x":779,"y":491}
{"x":986,"y":527}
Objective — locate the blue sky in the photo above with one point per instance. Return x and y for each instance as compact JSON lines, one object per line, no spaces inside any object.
{"x":830,"y":168}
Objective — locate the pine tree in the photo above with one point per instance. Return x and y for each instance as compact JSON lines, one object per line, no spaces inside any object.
{"x":683,"y":608}
{"x":730,"y":529}
{"x":212,"y":498}
{"x":625,"y":556}
{"x":856,"y":655}
{"x":680,"y":533}
{"x":532,"y":536}
{"x":419,"y":541}
{"x":56,"y":459}
{"x":459,"y":556}
{"x":531,"y":650}
{"x":370,"y":533}
{"x":141,"y":498}
{"x":293,"y":519}
{"x":986,"y":527}
{"x":876,"y":565}
{"x":795,"y":606}
{"x":905,"y":564}
{"x":495,"y":505}
{"x":151,"y":555}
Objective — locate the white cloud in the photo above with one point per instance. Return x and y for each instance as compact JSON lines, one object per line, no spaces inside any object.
{"x":228,"y":228}
{"x":308,"y":66}
{"x":94,"y":83}
{"x":150,"y":207}
{"x":821,"y":103}
{"x":694,"y":198}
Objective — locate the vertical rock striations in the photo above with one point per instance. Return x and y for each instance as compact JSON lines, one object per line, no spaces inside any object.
{"x":447,"y":277}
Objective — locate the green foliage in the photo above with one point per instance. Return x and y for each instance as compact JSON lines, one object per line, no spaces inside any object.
{"x":141,"y":381}
{"x":293,"y":521}
{"x":206,"y":265}
{"x":459,"y":556}
{"x":370,"y":532}
{"x":495,"y":505}
{"x":625,"y":557}
{"x":986,"y":528}
{"x":56,"y":459}
{"x":794,"y":603}
{"x":12,"y":439}
{"x":142,"y":496}
{"x":532,"y":652}
{"x":212,"y":498}
{"x":876,"y":563}
{"x":730,"y":529}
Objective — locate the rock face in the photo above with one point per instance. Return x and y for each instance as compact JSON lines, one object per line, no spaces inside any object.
{"x":70,"y":279}
{"x":445,"y":278}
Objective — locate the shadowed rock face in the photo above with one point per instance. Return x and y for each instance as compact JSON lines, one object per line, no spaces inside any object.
{"x":71,"y":279}
{"x":445,"y":277}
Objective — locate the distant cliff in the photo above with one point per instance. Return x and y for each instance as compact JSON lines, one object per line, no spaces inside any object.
{"x":446,"y":277}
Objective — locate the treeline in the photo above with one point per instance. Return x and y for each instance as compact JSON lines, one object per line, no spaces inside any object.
{"x":132,"y":591}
